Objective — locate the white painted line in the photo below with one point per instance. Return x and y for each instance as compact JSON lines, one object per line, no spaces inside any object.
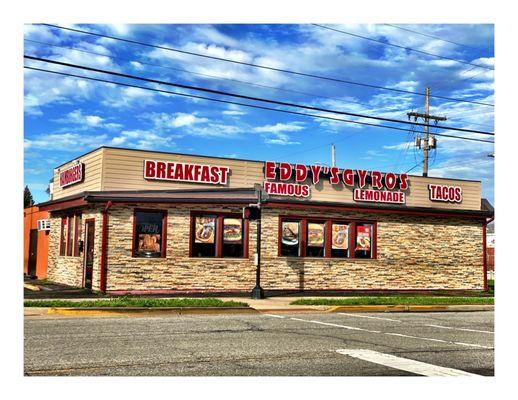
{"x":354,"y":328}
{"x":459,"y":329}
{"x":403,"y":364}
{"x":273,"y":315}
{"x":368,"y":316}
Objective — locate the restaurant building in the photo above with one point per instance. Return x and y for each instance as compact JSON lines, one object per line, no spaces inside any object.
{"x":134,"y":221}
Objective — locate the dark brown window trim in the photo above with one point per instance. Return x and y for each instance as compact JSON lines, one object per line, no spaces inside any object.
{"x":219,"y":238}
{"x":70,"y":247}
{"x":328,"y":221}
{"x":163,"y":247}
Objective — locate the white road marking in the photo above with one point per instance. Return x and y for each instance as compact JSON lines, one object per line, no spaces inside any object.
{"x":273,"y":315}
{"x":354,"y":328}
{"x":431,"y":325}
{"x":367,"y":316}
{"x":403,"y":364}
{"x":460,"y":329}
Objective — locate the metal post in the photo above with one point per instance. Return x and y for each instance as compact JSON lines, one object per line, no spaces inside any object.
{"x":333,"y":155}
{"x":257,"y":291}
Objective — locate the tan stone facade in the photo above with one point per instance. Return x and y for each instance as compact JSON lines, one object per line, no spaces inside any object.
{"x":413,"y":252}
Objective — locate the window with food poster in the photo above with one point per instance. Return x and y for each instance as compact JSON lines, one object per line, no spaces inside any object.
{"x":339,"y":240}
{"x":148,"y":234}
{"x":204,"y":236}
{"x":290,"y":238}
{"x":316,"y":239}
{"x":363,"y":247}
{"x":232,"y":237}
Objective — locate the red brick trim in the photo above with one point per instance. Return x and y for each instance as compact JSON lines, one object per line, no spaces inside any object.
{"x":64,"y":204}
{"x":484,"y":254}
{"x":84,"y":249}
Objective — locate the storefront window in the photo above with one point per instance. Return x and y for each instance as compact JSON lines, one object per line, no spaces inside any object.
{"x":339,"y":240}
{"x":149,"y":234}
{"x":64,"y":233}
{"x":204,"y":243}
{"x":290,"y":238}
{"x":232,"y":237}
{"x":326,"y":238}
{"x":70,"y":235}
{"x":77,"y":235}
{"x":316,"y":239}
{"x":218,"y":235}
{"x":363,"y":245}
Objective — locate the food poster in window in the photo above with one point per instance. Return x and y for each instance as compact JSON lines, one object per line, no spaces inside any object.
{"x":363,"y":237}
{"x":315,"y":234}
{"x":290,"y":233}
{"x":232,"y":230}
{"x":149,"y":236}
{"x":204,"y":230}
{"x":340,"y":237}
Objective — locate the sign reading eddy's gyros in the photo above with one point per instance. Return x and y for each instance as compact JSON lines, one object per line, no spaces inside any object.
{"x":386,"y":187}
{"x":185,"y":172}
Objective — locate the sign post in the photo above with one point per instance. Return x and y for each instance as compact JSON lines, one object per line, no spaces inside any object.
{"x":257,"y":291}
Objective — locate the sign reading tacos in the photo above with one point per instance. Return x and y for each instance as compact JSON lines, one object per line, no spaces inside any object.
{"x":186,"y":172}
{"x":290,"y":180}
{"x":445,"y":193}
{"x":71,"y":175}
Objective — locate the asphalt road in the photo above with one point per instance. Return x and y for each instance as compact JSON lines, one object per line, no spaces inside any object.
{"x":309,"y":344}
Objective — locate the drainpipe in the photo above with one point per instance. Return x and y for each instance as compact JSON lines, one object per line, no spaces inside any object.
{"x":484,"y":245}
{"x":104,"y":246}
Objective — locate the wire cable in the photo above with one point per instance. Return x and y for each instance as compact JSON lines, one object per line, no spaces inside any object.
{"x":240,"y":96}
{"x":243,"y":104}
{"x":259,"y":65}
{"x":402,"y":47}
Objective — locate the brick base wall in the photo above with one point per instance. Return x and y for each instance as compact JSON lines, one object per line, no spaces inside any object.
{"x":417,"y":253}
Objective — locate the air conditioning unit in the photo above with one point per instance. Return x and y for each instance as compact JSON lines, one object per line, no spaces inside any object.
{"x":44,"y":224}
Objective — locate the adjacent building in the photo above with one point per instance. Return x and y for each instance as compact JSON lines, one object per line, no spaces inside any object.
{"x":36,"y":228}
{"x":134,"y":221}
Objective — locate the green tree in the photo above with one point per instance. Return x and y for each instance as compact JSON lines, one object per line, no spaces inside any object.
{"x":27,"y":197}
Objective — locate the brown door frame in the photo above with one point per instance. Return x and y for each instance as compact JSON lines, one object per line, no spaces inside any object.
{"x":85,"y":250}
{"x":33,"y":233}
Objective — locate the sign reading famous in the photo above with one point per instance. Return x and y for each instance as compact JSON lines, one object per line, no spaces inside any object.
{"x":185,"y":172}
{"x":71,"y":175}
{"x":291,"y":180}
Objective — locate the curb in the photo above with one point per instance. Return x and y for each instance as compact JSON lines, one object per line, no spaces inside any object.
{"x":413,"y":308}
{"x":132,"y":311}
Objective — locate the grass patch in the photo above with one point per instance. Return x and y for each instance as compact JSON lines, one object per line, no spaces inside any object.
{"x":136,"y":302}
{"x":394,"y":300}
{"x":491,"y":286}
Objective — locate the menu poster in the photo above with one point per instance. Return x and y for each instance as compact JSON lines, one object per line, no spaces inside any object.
{"x":290,"y":233}
{"x":340,"y":237}
{"x":315,"y":235}
{"x":149,"y":242}
{"x":204,"y":228}
{"x":232,"y":230}
{"x":363,"y":238}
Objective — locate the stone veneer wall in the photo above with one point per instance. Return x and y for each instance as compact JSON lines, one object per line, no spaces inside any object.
{"x":413,"y":253}
{"x":69,"y":269}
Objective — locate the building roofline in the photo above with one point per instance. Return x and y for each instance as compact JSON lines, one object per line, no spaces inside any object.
{"x":224,"y":158}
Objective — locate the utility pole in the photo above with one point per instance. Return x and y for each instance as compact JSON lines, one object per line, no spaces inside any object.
{"x":429,"y":143}
{"x":333,"y":155}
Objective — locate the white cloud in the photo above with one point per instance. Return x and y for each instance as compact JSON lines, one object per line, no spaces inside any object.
{"x":279,"y":127}
{"x":233,"y":112}
{"x":65,"y":141}
{"x":183,"y":119}
{"x":142,"y":139}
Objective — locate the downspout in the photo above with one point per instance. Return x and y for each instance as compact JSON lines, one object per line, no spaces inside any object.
{"x":104,"y":246}
{"x":484,"y":246}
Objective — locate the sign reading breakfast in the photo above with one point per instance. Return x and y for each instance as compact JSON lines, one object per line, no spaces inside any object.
{"x":71,"y":175}
{"x":284,"y":179}
{"x":185,"y":172}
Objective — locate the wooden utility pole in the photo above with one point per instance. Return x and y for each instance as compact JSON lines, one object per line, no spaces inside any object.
{"x":428,"y":143}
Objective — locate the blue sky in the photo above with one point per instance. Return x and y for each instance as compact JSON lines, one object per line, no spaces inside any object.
{"x":66,"y":117}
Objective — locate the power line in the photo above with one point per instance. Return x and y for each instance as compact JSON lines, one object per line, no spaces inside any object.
{"x":431,"y":36}
{"x":243,"y":104}
{"x":402,"y":47}
{"x":219,"y":92}
{"x":197,"y":73}
{"x":259,"y":65}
